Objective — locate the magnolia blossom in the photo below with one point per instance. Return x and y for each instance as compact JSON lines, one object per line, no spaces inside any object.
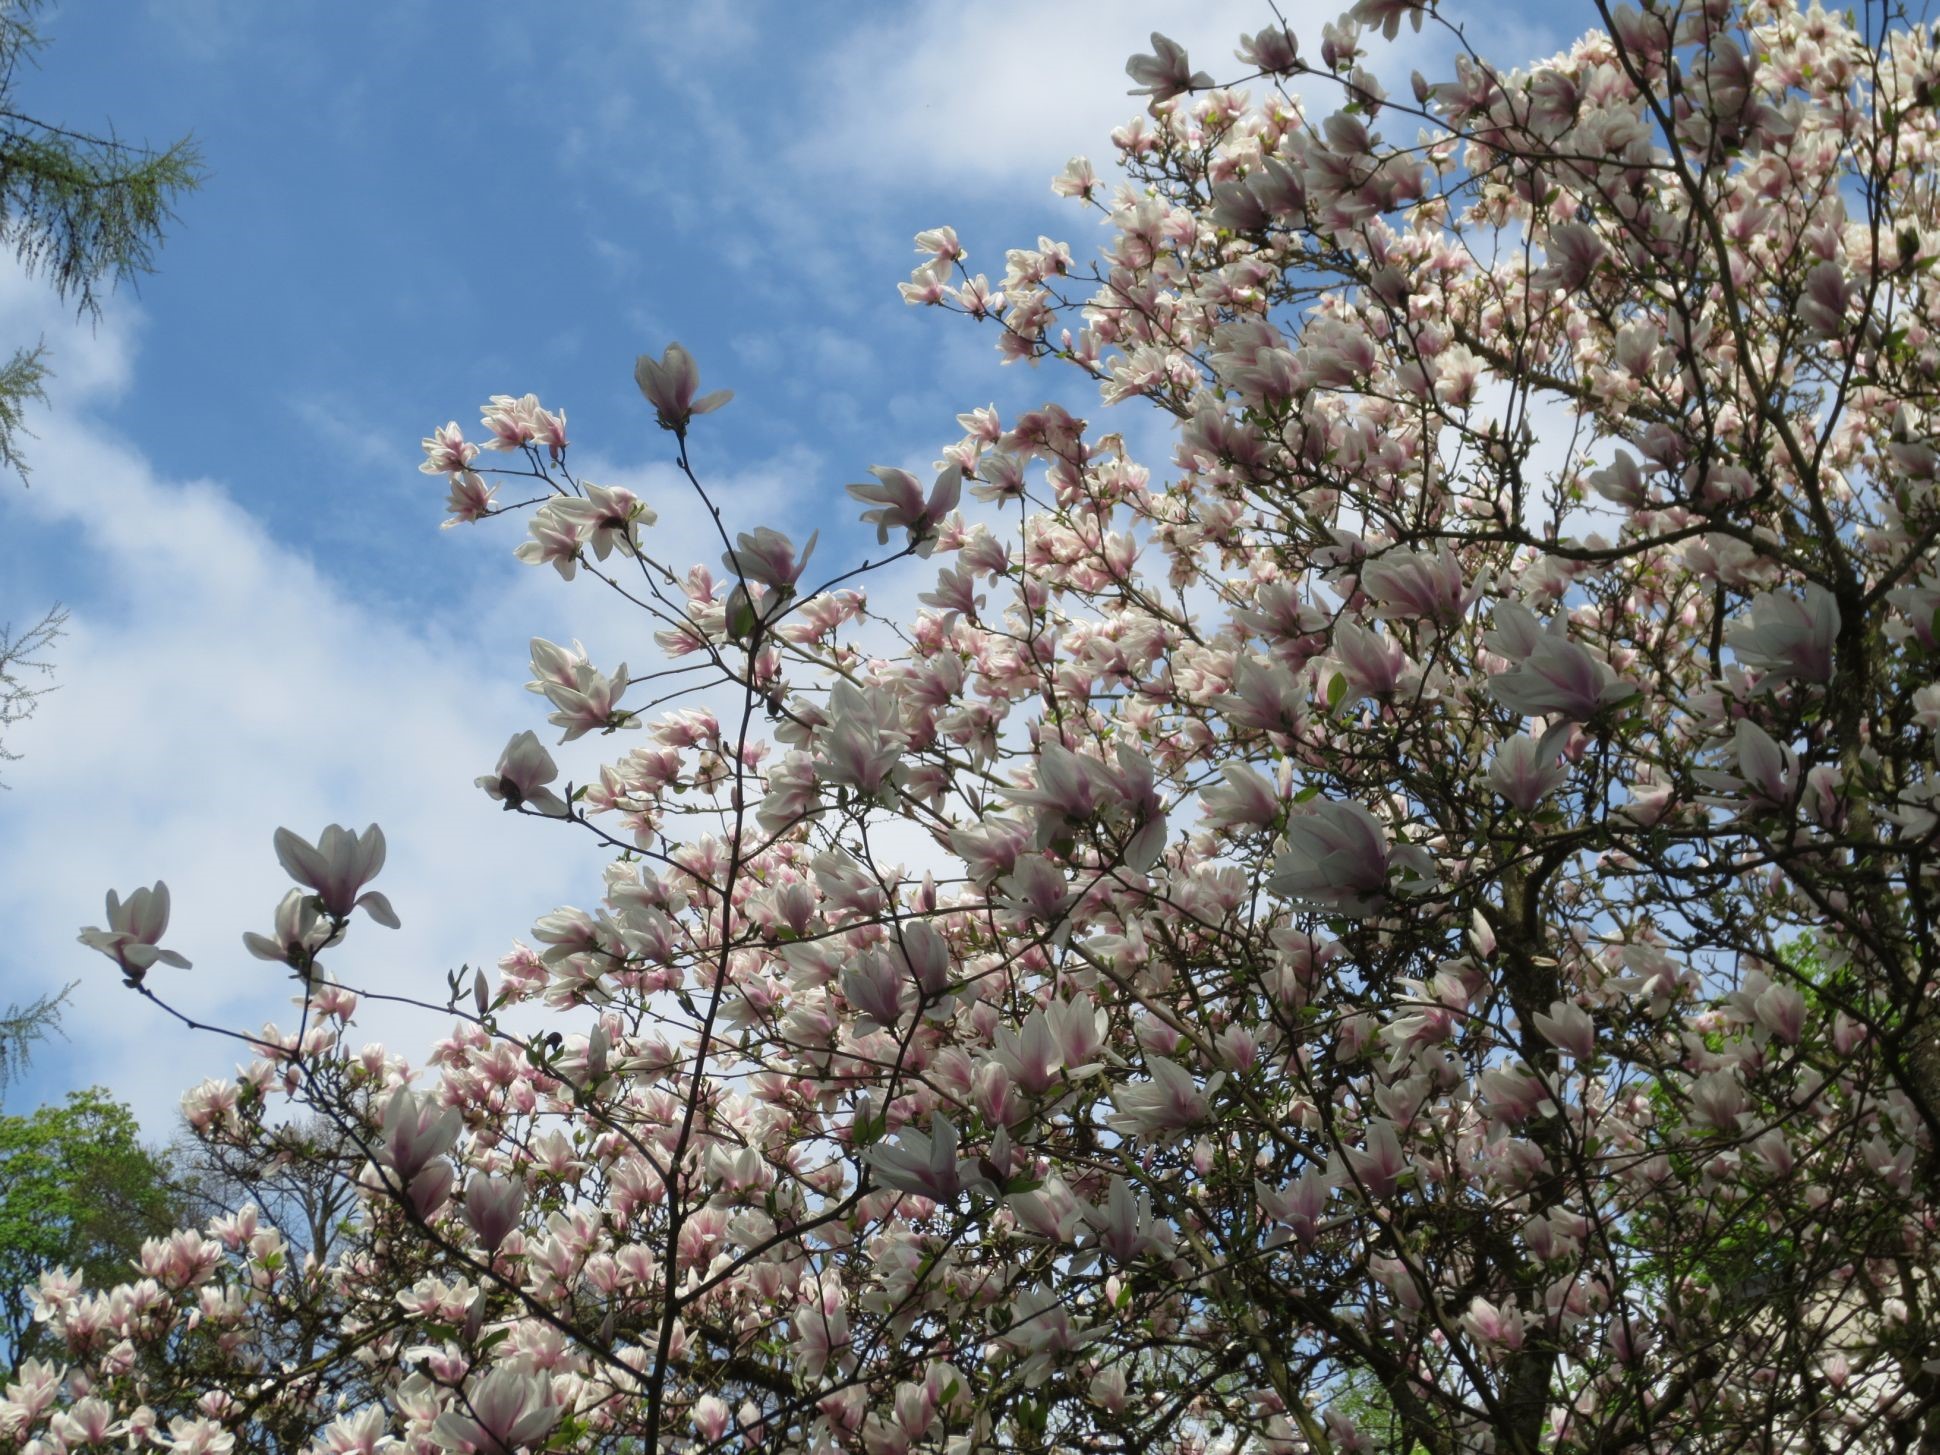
{"x":584,"y":698}
{"x":492,"y":1207}
{"x":300,"y":934}
{"x":1166,"y":72}
{"x":860,"y":749}
{"x":134,"y":929}
{"x":1569,"y":1028}
{"x":1042,"y":1328}
{"x":1526,"y":770}
{"x":1300,"y":1205}
{"x":499,"y":1414}
{"x":900,"y":504}
{"x":1786,"y":636}
{"x":1124,"y":1228}
{"x":670,"y":384}
{"x":556,"y":539}
{"x":605,"y":518}
{"x":1767,"y":770}
{"x":446,"y":451}
{"x":1337,"y":860}
{"x":416,"y":1130}
{"x":1168,"y":1104}
{"x":338,"y":867}
{"x":768,"y":557}
{"x":1560,"y":679}
{"x":1424,"y":585}
{"x":926,"y":1165}
{"x":1245,"y":801}
{"x":1380,"y":1165}
{"x":1496,"y":1329}
{"x":524,"y":768}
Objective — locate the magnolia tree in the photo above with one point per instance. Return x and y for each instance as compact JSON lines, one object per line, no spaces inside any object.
{"x":1427,"y":935}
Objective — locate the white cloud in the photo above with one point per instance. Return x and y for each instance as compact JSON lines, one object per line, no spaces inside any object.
{"x":1005,"y":93}
{"x":998,"y":98}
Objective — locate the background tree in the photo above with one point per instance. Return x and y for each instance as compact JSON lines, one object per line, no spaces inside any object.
{"x":23,"y":1026}
{"x":301,"y":1175}
{"x":84,"y":211}
{"x":79,"y":1191}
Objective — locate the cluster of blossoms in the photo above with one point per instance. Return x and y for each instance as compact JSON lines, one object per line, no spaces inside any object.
{"x":1429,"y":935}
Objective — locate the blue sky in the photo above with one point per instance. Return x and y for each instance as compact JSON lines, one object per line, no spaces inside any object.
{"x":411,"y":207}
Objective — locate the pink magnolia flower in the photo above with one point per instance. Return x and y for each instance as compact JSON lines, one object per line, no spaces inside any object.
{"x":670,"y":384}
{"x":1166,"y":72}
{"x":861,"y":747}
{"x":1042,"y":1328}
{"x":500,"y":1414}
{"x":1568,"y":1028}
{"x":197,"y":1436}
{"x":1498,"y":1329}
{"x":1785,"y":636}
{"x":1076,"y":180}
{"x":1419,"y":585}
{"x":1379,"y":1166}
{"x":1620,"y":482}
{"x":1301,"y":1205}
{"x":768,"y":557}
{"x":415,"y":1131}
{"x":1080,"y":1028}
{"x":1030,"y":1054}
{"x":590,"y":702}
{"x":900,"y":504}
{"x":1718,"y":1098}
{"x":492,"y":1207}
{"x":338,"y":867}
{"x":1526,"y":770}
{"x":605,"y":517}
{"x":1560,"y":679}
{"x":1265,"y":698}
{"x":712,"y":1418}
{"x":874,"y":986}
{"x":470,"y":498}
{"x":1048,"y":1211}
{"x":1574,"y":250}
{"x":1372,"y":664}
{"x":926,"y":1165}
{"x":1781,"y":1010}
{"x":556,"y":540}
{"x":524,"y":768}
{"x":1768,"y":767}
{"x":1827,"y":296}
{"x":300,"y":934}
{"x":1275,"y":51}
{"x":1166,"y":1105}
{"x":445,"y":451}
{"x":134,"y":928}
{"x":1337,"y":860}
{"x":1124,"y":1227}
{"x":1246,"y":800}
{"x":941,"y":244}
{"x":1065,"y":794}
{"x":512,"y":422}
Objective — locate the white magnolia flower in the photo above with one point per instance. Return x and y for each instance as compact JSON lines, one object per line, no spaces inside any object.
{"x":134,"y":927}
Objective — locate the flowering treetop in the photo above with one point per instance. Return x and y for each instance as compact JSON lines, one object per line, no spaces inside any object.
{"x":1429,"y":938}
